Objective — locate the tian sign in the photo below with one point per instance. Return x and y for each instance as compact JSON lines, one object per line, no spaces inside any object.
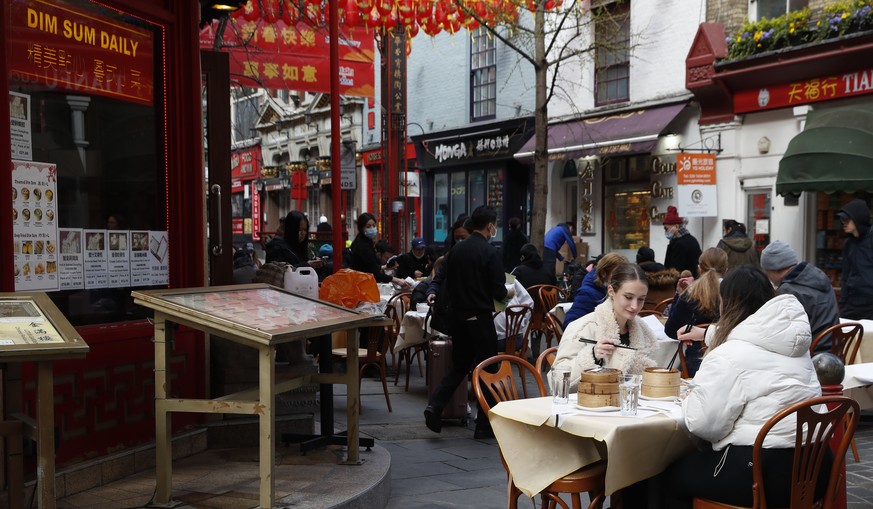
{"x":66,"y":48}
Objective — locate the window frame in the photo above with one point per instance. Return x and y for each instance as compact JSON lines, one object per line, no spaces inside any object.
{"x":483,"y":77}
{"x":790,"y":5}
{"x":620,"y":52}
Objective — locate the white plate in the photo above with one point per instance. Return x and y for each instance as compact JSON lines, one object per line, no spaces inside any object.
{"x":665,"y":398}
{"x":599,"y":408}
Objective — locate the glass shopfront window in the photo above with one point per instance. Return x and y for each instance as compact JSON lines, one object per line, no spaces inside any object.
{"x":627,"y":194}
{"x":441,"y":213}
{"x":89,"y":173}
{"x":468,"y":190}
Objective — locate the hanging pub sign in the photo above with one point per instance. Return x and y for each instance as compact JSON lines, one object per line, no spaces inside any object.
{"x":695,"y":176}
{"x":66,"y":48}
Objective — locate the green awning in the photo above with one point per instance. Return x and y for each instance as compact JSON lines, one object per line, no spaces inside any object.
{"x":833,"y":153}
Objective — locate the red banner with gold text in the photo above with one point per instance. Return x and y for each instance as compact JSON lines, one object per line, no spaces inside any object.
{"x":294,"y":57}
{"x":69,"y":48}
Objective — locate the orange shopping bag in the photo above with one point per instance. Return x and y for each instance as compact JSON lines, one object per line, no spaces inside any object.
{"x":348,"y":288}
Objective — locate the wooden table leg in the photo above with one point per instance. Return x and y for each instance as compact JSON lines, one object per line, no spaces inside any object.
{"x":45,"y":444}
{"x":267,"y":420}
{"x":164,"y":332}
{"x":353,"y":384}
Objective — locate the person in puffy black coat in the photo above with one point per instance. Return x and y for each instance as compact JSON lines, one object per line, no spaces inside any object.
{"x":856,"y":292}
{"x":531,"y":271}
{"x":683,"y":249}
{"x":739,"y":247}
{"x":293,"y":246}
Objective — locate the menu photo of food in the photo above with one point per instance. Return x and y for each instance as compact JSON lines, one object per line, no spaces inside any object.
{"x":49,"y":195}
{"x":71,"y":242}
{"x":27,"y":247}
{"x":38,"y":247}
{"x":117,"y":241}
{"x":94,"y":241}
{"x":40,"y":269}
{"x":14,"y":213}
{"x":37,"y":194}
{"x":25,"y":214}
{"x":139,"y":241}
{"x":14,"y":193}
{"x":37,"y":214}
{"x":49,"y":247}
{"x":25,"y":269}
{"x":51,"y":267}
{"x":25,"y":193}
{"x":50,"y":215}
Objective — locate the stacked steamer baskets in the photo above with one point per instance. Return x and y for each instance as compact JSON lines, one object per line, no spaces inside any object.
{"x":599,"y":387}
{"x":660,"y":383}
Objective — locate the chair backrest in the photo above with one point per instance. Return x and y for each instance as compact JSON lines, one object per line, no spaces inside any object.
{"x":377,"y":345}
{"x":537,"y":319}
{"x":515,"y":317}
{"x":814,"y":432}
{"x":400,"y":301}
{"x":503,"y":384}
{"x":662,"y":306}
{"x":845,"y":340}
{"x":648,"y":312}
{"x":556,"y":326}
{"x":546,"y":359}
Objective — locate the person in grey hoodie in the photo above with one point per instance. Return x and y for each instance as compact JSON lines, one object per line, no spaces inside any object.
{"x":806,"y":282}
{"x":738,"y":246}
{"x":856,"y":292}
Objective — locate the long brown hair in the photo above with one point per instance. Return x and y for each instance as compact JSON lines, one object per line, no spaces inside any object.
{"x":743,"y":292}
{"x":713,"y":264}
{"x":605,"y":266}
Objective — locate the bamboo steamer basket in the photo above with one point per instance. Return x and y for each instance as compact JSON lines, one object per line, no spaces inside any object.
{"x":599,"y":388}
{"x":660,"y":382}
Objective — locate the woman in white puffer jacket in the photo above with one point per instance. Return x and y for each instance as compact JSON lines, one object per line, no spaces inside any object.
{"x":757,"y":364}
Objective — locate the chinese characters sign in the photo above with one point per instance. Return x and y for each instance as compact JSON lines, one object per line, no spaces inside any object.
{"x":804,"y":92}
{"x":696,"y":193}
{"x":294,"y":57}
{"x":68,"y":48}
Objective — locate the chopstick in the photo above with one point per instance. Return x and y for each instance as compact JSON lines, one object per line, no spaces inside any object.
{"x":591,"y":341}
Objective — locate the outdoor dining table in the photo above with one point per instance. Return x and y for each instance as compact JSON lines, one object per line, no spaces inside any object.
{"x":858,"y":384}
{"x":865,"y":351}
{"x":542,"y":442}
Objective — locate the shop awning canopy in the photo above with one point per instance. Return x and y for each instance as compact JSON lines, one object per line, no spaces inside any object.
{"x":627,"y":132}
{"x":833,"y":153}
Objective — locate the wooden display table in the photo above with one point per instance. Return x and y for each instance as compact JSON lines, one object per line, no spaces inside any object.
{"x":32,"y":329}
{"x":261,"y":317}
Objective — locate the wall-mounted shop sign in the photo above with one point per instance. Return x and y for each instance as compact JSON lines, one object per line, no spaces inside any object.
{"x":696,"y":193}
{"x":804,"y":92}
{"x":495,"y":141}
{"x":586,"y":196}
{"x":245,"y":164}
{"x":69,"y":48}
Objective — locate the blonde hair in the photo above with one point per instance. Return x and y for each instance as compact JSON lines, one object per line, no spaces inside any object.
{"x":713,"y":264}
{"x":605,"y":266}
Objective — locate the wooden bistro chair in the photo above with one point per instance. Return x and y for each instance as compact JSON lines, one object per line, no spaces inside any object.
{"x":648,"y":312}
{"x":515,"y":317}
{"x":845,"y":342}
{"x":556,"y":326}
{"x":396,"y":307}
{"x":373,"y":355}
{"x":814,"y":432}
{"x":662,"y":306}
{"x":549,"y":296}
{"x":545,"y":360}
{"x":503,"y":385}
{"x":537,"y":323}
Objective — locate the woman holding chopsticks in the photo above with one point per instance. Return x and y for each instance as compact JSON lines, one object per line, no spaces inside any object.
{"x":698,"y":304}
{"x":612,"y":335}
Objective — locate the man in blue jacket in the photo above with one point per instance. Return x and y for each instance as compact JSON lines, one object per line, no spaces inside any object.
{"x":554,"y":240}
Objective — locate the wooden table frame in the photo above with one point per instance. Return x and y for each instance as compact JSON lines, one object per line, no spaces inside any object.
{"x":259,"y":401}
{"x":18,"y":424}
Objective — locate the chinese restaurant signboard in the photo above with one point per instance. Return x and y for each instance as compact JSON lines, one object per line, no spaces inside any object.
{"x":294,"y":57}
{"x":804,"y":92}
{"x":66,"y":48}
{"x":695,"y":176}
{"x":245,"y":164}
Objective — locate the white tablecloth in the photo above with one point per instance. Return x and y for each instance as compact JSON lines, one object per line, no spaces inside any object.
{"x":540,"y":446}
{"x":858,"y":384}
{"x":411,"y":331}
{"x":865,"y":352}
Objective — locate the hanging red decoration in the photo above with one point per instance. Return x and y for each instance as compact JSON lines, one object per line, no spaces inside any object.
{"x":251,"y":12}
{"x":290,"y":12}
{"x":270,"y":11}
{"x":352,"y":14}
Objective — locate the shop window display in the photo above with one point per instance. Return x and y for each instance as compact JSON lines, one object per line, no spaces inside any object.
{"x":89,"y":185}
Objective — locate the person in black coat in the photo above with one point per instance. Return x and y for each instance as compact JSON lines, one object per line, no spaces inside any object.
{"x":531,"y":272}
{"x":416,"y":263}
{"x":512,"y":244}
{"x":683,"y":251}
{"x":856,"y":292}
{"x":363,"y":257}
{"x":293,"y":246}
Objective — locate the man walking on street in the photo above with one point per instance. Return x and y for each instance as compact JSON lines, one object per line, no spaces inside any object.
{"x":474,"y":279}
{"x":683,"y":251}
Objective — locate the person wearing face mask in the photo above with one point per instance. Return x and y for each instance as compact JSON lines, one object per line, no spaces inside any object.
{"x":416,"y":263}
{"x":293,"y":246}
{"x":474,"y":279}
{"x":683,"y":251}
{"x":363,"y":257}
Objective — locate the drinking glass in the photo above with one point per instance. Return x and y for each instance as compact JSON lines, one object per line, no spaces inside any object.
{"x":629,"y":393}
{"x":561,"y":386}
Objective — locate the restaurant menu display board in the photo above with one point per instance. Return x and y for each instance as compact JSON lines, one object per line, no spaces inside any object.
{"x":31,"y":327}
{"x":34,"y":225}
{"x":21,"y":140}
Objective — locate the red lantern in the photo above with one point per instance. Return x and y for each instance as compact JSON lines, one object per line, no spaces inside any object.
{"x":351,"y":14}
{"x":412,"y":30}
{"x":550,"y":4}
{"x":251,"y":12}
{"x":271,"y":10}
{"x":290,"y":12}
{"x":374,"y":20}
{"x":385,"y":7}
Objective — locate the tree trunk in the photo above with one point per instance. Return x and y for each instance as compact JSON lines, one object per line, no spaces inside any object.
{"x":539,"y":198}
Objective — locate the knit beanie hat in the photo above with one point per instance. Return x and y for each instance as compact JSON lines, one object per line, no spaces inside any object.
{"x":672,"y":216}
{"x":777,"y":256}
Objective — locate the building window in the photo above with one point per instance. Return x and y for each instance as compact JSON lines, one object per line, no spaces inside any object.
{"x":483,"y":76}
{"x":245,"y":113}
{"x":759,"y":9}
{"x":612,"y":53}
